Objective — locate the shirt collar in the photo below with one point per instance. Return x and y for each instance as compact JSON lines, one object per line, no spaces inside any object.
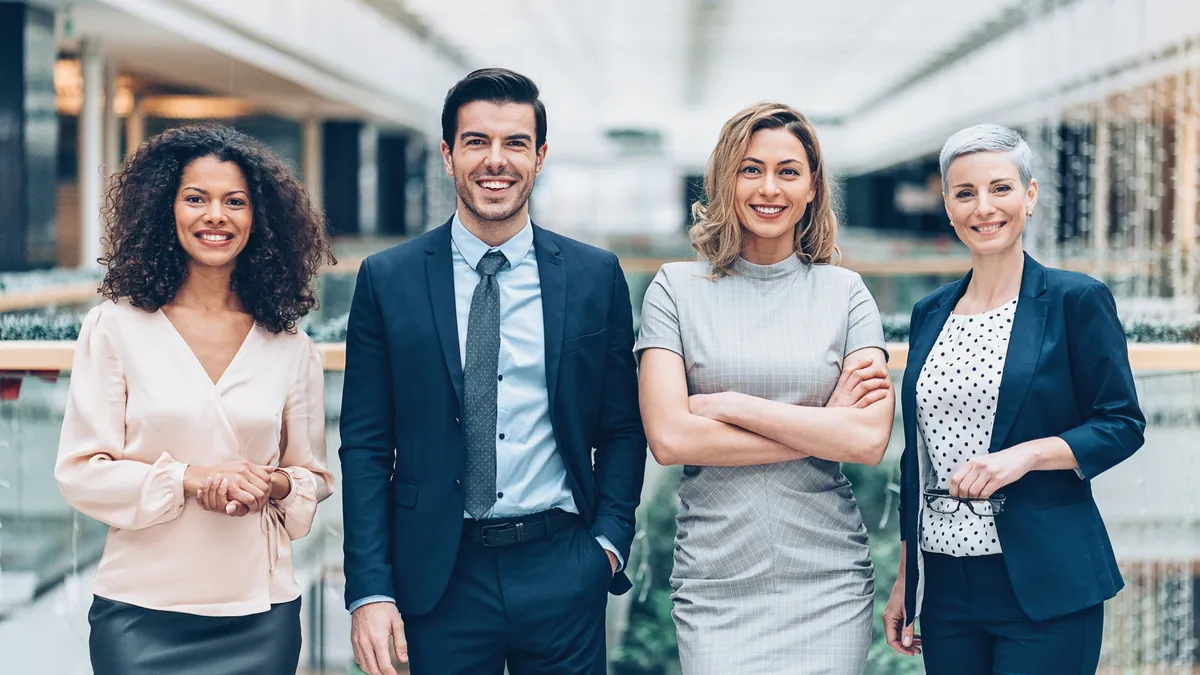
{"x":473,"y":248}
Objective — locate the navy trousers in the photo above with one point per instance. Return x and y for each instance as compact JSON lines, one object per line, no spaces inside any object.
{"x":536,"y":606}
{"x":971,"y":624}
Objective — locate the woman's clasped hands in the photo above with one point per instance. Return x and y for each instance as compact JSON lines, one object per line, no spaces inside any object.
{"x":236,"y":488}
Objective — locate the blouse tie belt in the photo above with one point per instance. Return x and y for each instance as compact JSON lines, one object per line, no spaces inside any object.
{"x":272,"y":524}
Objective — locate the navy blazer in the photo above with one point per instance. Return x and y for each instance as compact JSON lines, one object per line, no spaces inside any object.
{"x":403,"y":456}
{"x":1066,"y":374}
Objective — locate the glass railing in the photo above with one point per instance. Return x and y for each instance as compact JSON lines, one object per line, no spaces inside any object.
{"x":1150,"y":503}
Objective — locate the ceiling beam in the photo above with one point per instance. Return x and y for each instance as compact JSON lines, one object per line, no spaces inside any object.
{"x":704,"y":18}
{"x":398,"y":12}
{"x":1016,"y":17}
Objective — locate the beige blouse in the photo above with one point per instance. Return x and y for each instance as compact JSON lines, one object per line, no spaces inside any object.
{"x":140,"y":409}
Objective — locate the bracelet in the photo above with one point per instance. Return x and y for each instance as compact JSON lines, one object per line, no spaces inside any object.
{"x":291,"y":484}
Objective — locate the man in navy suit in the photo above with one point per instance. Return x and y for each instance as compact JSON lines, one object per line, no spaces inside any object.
{"x":492,"y":449}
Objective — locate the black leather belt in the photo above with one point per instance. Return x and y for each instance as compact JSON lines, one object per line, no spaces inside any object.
{"x":509,"y":531}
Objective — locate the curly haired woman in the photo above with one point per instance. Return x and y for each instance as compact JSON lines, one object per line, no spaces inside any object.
{"x":195,"y":422}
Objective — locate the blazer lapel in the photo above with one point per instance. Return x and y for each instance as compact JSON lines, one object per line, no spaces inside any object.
{"x":439,"y":270}
{"x":923,"y":342}
{"x":1024,"y":350}
{"x":552,"y":273}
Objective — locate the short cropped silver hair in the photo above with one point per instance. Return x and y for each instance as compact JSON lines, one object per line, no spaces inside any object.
{"x":987,"y":138}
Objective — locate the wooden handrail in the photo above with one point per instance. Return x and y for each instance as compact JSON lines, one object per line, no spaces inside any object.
{"x":65,"y":294}
{"x":20,"y":356}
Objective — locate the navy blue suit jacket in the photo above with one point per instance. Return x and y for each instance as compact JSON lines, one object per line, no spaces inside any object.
{"x":403,"y":457}
{"x":1066,"y":374}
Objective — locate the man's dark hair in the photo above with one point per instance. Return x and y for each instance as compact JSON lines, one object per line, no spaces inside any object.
{"x":494,"y":85}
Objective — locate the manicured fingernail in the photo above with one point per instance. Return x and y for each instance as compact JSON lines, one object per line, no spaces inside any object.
{"x":907,"y":641}
{"x":207,"y":481}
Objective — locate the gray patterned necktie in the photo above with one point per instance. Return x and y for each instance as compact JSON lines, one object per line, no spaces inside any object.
{"x":479,"y":386}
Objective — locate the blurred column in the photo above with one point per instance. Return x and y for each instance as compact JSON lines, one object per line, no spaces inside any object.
{"x":312,"y":158}
{"x":91,"y":150}
{"x":112,"y":129}
{"x":441,"y":198}
{"x":368,"y":181}
{"x":1186,"y":196}
{"x":415,"y":217}
{"x":135,"y":129}
{"x":28,"y":137}
{"x":1100,"y":187}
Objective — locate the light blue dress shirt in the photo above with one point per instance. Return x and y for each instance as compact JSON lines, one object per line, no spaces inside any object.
{"x":530,"y":475}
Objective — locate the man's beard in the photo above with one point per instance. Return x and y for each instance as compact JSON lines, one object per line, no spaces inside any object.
{"x":463,"y":187}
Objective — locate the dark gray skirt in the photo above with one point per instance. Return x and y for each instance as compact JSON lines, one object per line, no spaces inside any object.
{"x":131,"y":640}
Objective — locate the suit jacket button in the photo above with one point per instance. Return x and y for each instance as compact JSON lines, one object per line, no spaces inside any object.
{"x":457,"y":485}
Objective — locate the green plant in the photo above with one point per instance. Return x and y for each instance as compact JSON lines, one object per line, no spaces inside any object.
{"x":649,"y":646}
{"x":51,"y":325}
{"x":40,"y":326}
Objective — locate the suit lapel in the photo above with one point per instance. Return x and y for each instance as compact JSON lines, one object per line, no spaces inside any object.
{"x":552,"y":273}
{"x":439,"y":270}
{"x":1024,"y":350}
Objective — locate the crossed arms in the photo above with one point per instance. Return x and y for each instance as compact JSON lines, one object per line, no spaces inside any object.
{"x":732,"y":429}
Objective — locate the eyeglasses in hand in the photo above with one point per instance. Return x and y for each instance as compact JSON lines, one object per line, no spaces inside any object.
{"x":940,"y":501}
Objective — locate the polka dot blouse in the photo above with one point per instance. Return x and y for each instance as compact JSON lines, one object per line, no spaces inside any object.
{"x":956,"y":406}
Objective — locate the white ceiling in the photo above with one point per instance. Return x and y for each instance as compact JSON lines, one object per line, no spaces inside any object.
{"x":154,"y":55}
{"x":633,"y":62}
{"x":884,"y":80}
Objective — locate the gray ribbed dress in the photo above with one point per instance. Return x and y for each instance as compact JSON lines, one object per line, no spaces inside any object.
{"x":772,"y":572}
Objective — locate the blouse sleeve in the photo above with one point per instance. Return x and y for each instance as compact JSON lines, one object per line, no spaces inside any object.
{"x":302,"y":455}
{"x":863,"y":326}
{"x":660,"y":318}
{"x":91,"y":470}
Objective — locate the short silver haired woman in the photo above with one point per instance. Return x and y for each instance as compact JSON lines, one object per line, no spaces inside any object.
{"x":1018,"y":392}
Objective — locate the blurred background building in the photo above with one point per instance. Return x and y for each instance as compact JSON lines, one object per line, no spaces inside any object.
{"x":349,"y":92}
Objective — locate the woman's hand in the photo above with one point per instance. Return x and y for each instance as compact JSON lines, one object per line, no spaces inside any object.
{"x":214,"y":496}
{"x":860,"y":385}
{"x":713,"y":406}
{"x":896,"y":630}
{"x":982,"y":476}
{"x":235,"y":488}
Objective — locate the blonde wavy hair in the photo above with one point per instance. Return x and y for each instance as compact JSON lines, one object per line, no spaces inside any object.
{"x":717,"y":234}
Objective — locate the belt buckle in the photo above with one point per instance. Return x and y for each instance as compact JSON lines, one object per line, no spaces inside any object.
{"x":486,"y":530}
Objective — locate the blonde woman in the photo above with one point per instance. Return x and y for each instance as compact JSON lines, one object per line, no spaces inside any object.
{"x":763,"y":369}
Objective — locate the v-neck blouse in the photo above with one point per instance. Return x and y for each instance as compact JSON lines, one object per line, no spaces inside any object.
{"x":141,"y":408}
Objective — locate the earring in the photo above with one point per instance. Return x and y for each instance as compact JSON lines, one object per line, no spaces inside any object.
{"x":1029,"y":213}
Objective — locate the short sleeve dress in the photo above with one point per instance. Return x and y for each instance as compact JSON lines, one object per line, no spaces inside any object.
{"x":772,"y":572}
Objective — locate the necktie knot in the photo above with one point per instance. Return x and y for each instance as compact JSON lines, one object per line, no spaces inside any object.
{"x":491,"y":263}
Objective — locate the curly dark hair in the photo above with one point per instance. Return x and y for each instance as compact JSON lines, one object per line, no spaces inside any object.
{"x":146,"y":263}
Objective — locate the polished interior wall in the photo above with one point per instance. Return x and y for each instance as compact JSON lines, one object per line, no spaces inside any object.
{"x":28,"y":137}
